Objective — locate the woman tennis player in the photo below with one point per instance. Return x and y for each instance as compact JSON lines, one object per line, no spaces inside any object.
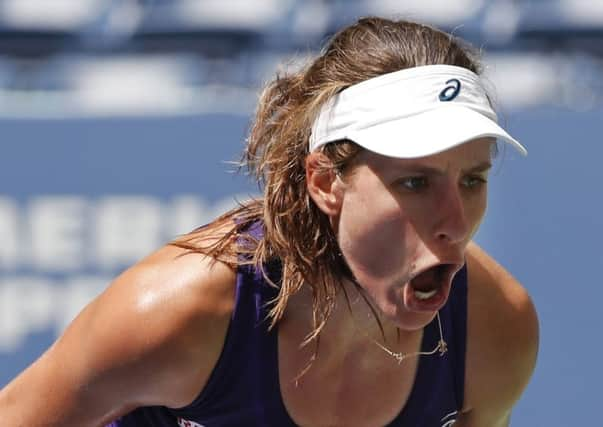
{"x":350,"y":294}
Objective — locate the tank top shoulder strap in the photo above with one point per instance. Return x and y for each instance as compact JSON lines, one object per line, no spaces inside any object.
{"x":244,"y":383}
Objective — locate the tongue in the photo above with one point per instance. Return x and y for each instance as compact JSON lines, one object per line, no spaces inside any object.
{"x":426,"y":281}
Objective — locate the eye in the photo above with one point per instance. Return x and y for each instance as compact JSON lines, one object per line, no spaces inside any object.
{"x":473,"y":181}
{"x":414,"y":183}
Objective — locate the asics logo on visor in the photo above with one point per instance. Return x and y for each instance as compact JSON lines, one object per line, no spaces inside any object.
{"x":451,"y":91}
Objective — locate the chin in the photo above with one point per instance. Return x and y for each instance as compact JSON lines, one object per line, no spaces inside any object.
{"x":413,"y":321}
{"x":405,"y":320}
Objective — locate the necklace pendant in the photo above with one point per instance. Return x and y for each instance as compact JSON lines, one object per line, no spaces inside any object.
{"x":399,"y":357}
{"x":442,"y":347}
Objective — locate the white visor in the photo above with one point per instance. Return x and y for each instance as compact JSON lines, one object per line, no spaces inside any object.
{"x":411,"y":113}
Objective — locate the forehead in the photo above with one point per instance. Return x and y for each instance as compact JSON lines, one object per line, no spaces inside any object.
{"x":465,"y":156}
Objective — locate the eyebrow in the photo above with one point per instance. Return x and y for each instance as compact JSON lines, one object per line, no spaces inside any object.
{"x":428,"y":170}
{"x":482,"y":167}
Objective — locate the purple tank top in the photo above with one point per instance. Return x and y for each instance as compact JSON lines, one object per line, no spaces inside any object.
{"x":243,"y":389}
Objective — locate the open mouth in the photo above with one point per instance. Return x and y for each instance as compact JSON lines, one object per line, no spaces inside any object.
{"x":429,"y":289}
{"x":427,"y":283}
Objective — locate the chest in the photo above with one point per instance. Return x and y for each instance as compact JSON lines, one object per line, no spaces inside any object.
{"x":364,"y":386}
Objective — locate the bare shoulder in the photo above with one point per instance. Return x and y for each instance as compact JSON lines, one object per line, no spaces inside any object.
{"x":502,"y":340}
{"x":152,"y":338}
{"x":174,"y":309}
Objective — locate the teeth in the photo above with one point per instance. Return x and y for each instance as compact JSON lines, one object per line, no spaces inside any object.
{"x":425,"y":295}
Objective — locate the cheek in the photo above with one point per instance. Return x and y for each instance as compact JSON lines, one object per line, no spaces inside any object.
{"x":476,"y":212}
{"x":374,"y":235}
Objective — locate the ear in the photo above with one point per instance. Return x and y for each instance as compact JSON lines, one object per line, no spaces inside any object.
{"x":324,"y":186}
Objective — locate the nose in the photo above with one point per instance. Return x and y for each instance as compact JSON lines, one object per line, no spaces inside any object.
{"x":451,"y":225}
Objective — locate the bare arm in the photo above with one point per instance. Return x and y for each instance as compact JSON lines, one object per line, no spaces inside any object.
{"x":502,"y":342}
{"x":152,"y":338}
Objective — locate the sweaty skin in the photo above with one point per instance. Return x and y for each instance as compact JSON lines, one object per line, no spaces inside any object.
{"x":154,"y":336}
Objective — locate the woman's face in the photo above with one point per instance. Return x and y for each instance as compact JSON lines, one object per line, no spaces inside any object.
{"x":403,"y":226}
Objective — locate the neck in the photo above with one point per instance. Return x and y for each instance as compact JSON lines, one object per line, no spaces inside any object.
{"x":354,"y":323}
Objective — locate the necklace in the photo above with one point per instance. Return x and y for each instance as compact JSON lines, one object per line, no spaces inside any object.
{"x":441,"y":347}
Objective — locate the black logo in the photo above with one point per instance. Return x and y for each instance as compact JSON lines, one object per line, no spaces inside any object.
{"x":451,"y":91}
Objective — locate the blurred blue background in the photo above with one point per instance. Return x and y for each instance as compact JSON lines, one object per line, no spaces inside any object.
{"x":119,"y":121}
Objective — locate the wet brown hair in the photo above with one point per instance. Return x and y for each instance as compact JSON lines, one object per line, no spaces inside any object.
{"x":296,"y":232}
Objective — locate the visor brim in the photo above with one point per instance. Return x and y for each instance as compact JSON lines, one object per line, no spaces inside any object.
{"x":430,"y":132}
